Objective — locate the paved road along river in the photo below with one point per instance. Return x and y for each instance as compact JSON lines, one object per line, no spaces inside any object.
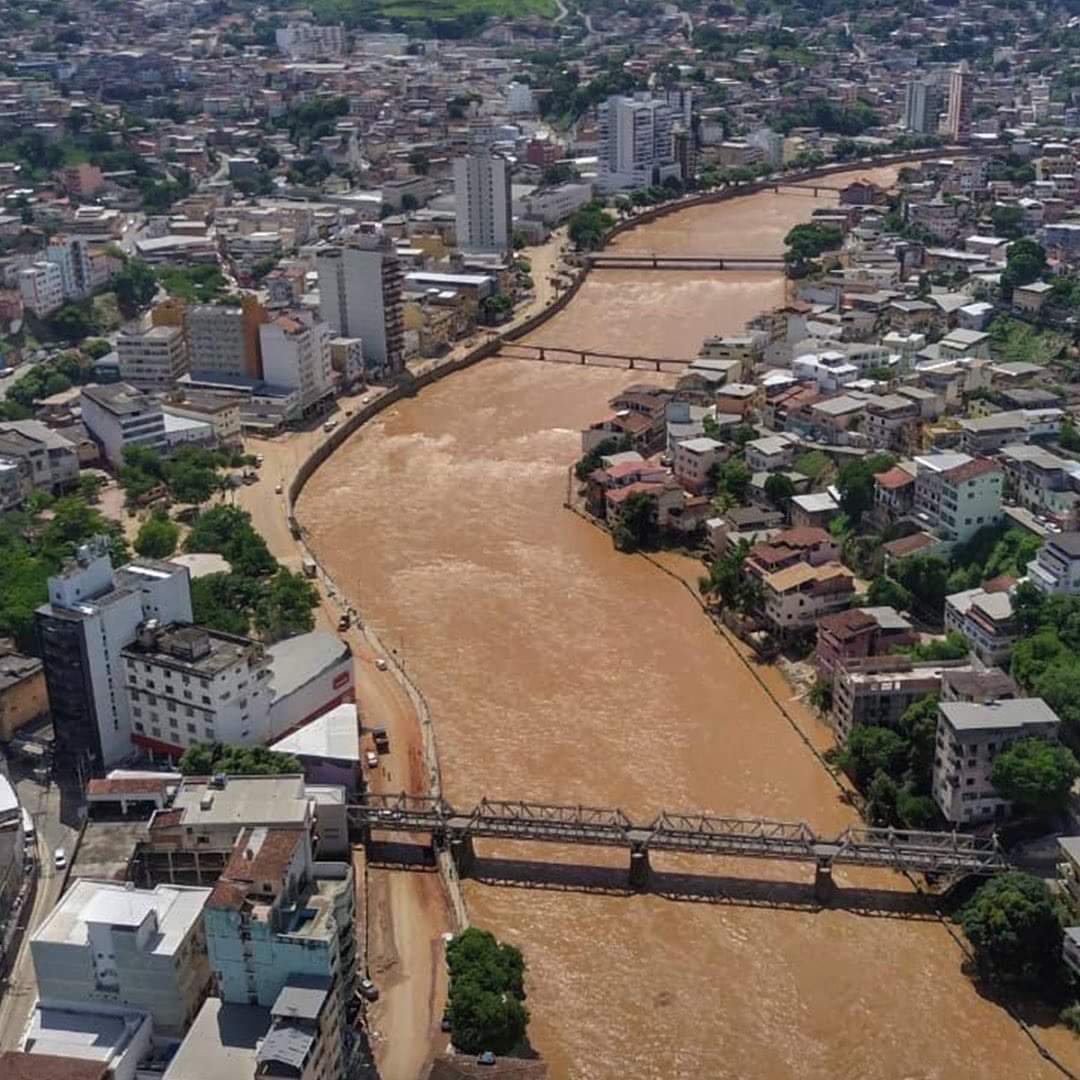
{"x":557,"y":669}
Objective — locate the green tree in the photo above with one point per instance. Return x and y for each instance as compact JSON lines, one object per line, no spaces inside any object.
{"x":225,"y":602}
{"x":1008,"y":221}
{"x":595,"y":457}
{"x":885,"y":592}
{"x":804,"y":243}
{"x":855,"y":481}
{"x":1025,"y":262}
{"x":135,"y":286}
{"x":588,"y":226}
{"x":953,"y":647}
{"x":779,"y":489}
{"x":636,"y":527}
{"x":725,"y":580}
{"x":96,"y":348}
{"x":1013,"y":927}
{"x":731,"y":479}
{"x":205,"y":759}
{"x":268,"y":157}
{"x":227,"y":531}
{"x":1036,"y":773}
{"x":487,"y":988}
{"x":157,"y":537}
{"x":72,"y":323}
{"x":869,"y":750}
{"x":926,"y":577}
{"x":286,"y":606}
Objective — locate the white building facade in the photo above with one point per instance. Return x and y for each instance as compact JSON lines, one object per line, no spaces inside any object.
{"x":360,"y":295}
{"x":637,"y":146}
{"x":484,"y":203}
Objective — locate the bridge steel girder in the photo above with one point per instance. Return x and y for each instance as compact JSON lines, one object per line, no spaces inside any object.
{"x":945,"y":854}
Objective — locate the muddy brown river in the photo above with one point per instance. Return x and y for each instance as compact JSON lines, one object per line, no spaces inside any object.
{"x":559,"y":670}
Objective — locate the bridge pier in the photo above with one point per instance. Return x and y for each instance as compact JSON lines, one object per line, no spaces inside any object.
{"x":463,"y":853}
{"x":583,"y":355}
{"x":640,"y":870}
{"x":824,"y":886}
{"x":543,"y":355}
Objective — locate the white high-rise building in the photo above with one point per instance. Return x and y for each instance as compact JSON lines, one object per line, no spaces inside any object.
{"x":42,"y":287}
{"x":637,"y":146}
{"x":93,"y":613}
{"x":519,"y":99}
{"x":485,"y":218}
{"x":296,"y":354}
{"x":360,"y":295}
{"x":72,"y":256}
{"x":306,"y":41}
{"x":922,"y":104}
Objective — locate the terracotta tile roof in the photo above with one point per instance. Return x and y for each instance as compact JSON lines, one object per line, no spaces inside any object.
{"x":262,"y":855}
{"x":1002,"y":583}
{"x":803,"y":536}
{"x":845,"y":625}
{"x":126,"y":786}
{"x":894,"y":478}
{"x":619,"y":495}
{"x":227,"y":896}
{"x":167,"y":819}
{"x":908,"y":545}
{"x":16,"y":1066}
{"x":970,"y":470}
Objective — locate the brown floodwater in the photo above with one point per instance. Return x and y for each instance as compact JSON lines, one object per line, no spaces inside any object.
{"x":559,"y":670}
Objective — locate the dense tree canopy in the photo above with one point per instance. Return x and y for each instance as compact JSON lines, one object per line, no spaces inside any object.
{"x":1036,"y":773}
{"x":1013,"y":927}
{"x":157,"y":537}
{"x":205,"y":759}
{"x":487,"y":988}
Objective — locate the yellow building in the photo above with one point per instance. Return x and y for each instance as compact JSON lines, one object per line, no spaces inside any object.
{"x":22,"y":692}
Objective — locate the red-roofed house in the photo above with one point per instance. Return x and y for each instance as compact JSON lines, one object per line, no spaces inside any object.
{"x":859,"y":633}
{"x":894,"y":492}
{"x":805,"y":544}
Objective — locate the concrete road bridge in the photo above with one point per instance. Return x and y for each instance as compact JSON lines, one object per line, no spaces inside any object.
{"x":943,"y":855}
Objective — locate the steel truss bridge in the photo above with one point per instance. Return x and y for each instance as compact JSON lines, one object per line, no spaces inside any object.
{"x":939,"y":854}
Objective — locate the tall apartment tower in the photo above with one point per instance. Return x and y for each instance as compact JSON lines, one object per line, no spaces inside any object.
{"x":961,"y":91}
{"x":922,"y":106}
{"x":484,"y":203}
{"x":296,"y":354}
{"x":360,"y":296}
{"x":92,"y":614}
{"x":637,"y":146}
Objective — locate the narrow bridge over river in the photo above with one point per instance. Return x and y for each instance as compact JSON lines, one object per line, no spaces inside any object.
{"x":567,"y":354}
{"x":940,"y":854}
{"x":653,"y":261}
